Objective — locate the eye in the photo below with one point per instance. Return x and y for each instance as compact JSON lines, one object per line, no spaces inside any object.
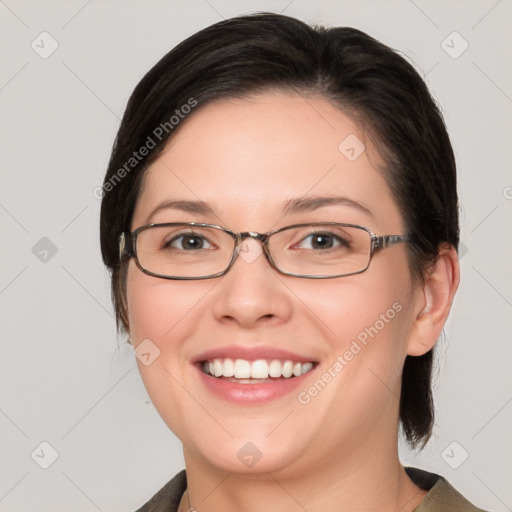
{"x":322,"y":241}
{"x":188,"y":242}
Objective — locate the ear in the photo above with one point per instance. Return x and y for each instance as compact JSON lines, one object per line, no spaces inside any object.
{"x":435,"y":299}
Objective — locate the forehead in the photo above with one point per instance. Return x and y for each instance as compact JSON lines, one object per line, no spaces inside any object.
{"x":248,"y":156}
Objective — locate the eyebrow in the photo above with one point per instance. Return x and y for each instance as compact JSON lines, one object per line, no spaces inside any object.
{"x":306,"y":204}
{"x":298,"y":205}
{"x":198,"y":207}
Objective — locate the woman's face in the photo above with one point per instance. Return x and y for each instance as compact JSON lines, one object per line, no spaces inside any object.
{"x":247,"y":160}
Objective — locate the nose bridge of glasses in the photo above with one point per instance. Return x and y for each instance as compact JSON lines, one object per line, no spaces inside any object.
{"x":249,"y":252}
{"x":251,"y":234}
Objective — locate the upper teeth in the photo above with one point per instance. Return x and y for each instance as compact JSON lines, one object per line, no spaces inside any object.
{"x":259,"y":369}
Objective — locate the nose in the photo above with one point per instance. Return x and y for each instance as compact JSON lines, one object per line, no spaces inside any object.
{"x":252,"y":292}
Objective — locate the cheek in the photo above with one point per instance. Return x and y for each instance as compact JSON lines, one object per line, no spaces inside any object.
{"x":367,"y":351}
{"x":158,"y":308}
{"x":162,"y":317}
{"x":366,"y":319}
{"x":363,"y":306}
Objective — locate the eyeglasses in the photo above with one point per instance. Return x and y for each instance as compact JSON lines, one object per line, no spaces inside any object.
{"x":190,"y":250}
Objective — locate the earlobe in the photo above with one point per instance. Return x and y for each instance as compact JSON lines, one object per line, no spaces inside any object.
{"x":437,"y":293}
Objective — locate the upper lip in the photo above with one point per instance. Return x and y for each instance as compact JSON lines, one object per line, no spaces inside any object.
{"x":252,"y":354}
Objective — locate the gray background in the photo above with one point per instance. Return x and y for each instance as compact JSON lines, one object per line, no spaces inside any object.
{"x":67,"y":380}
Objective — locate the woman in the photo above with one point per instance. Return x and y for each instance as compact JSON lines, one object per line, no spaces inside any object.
{"x":280,"y":219}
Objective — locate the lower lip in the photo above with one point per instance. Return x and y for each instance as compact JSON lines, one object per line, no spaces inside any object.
{"x":252,"y":393}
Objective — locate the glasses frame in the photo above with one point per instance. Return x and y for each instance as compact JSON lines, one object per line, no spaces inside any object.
{"x":128,"y":246}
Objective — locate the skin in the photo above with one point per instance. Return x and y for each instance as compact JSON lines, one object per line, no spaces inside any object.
{"x":246,"y":157}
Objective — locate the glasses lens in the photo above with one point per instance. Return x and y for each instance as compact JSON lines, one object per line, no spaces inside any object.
{"x":321,"y":250}
{"x":184,"y":251}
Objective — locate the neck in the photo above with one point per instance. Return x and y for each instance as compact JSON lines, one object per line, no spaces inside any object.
{"x":365,"y":477}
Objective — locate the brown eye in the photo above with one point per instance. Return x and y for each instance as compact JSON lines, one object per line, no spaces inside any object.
{"x":188,"y":242}
{"x":322,"y":241}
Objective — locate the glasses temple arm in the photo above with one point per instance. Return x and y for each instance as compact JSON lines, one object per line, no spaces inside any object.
{"x":381,"y":242}
{"x":125,"y":245}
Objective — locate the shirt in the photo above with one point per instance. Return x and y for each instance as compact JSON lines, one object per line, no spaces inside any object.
{"x":441,"y":496}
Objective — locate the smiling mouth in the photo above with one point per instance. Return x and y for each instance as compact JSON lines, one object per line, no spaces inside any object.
{"x":243,"y":371}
